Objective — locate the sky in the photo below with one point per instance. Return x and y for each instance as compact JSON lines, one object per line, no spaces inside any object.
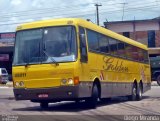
{"x":15,"y":12}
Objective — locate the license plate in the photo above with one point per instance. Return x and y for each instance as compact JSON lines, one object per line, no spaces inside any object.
{"x":43,"y":95}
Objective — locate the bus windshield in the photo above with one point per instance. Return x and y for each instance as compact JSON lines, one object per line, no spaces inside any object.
{"x":45,"y":45}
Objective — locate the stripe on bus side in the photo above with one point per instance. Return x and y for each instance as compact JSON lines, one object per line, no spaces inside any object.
{"x":109,"y":89}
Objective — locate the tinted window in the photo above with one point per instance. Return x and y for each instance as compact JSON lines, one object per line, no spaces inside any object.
{"x":113,"y":46}
{"x":135,"y":53}
{"x":128,"y":49}
{"x":103,"y":43}
{"x":132,"y":52}
{"x":92,"y":40}
{"x":141,"y":55}
{"x":121,"y":49}
{"x":146,"y":56}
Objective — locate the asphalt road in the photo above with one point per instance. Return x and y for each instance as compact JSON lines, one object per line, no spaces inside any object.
{"x":149,"y":105}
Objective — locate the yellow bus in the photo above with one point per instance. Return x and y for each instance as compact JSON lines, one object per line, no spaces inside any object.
{"x":73,"y":59}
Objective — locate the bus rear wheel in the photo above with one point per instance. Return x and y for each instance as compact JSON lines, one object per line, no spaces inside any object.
{"x":139,"y":92}
{"x":44,"y":105}
{"x":133,"y":96}
{"x":158,"y":80}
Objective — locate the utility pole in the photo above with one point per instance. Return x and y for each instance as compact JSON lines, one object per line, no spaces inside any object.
{"x":97,"y":12}
{"x":123,"y":10}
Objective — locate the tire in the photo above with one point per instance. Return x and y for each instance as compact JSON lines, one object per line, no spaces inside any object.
{"x":133,"y":96}
{"x":78,"y":101}
{"x":44,"y":105}
{"x":92,"y":101}
{"x":105,"y":99}
{"x":139,"y":92}
{"x":158,"y":80}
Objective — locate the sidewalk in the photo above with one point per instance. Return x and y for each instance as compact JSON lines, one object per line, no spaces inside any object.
{"x":154,"y":83}
{"x":9,"y":84}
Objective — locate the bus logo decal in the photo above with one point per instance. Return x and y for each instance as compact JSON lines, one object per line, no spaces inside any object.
{"x":114,"y":65}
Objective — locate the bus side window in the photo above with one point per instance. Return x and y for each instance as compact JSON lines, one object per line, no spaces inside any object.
{"x":128,"y":49}
{"x":113,"y":46}
{"x":93,"y":42}
{"x":121,"y":49}
{"x":141,"y":55}
{"x":135,"y":53}
{"x":83,"y":46}
{"x":103,"y":44}
{"x":146,"y":60}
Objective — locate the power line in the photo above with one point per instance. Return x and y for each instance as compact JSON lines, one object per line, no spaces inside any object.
{"x":12,"y":23}
{"x":51,"y":11}
{"x":102,"y":12}
{"x":57,"y":8}
{"x":134,"y":8}
{"x":48,"y":9}
{"x":115,"y":9}
{"x":123,"y":10}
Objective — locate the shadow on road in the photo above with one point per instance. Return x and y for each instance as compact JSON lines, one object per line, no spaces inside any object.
{"x":74,"y":107}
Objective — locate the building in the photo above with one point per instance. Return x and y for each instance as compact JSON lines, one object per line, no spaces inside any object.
{"x":6,"y":50}
{"x":144,"y":31}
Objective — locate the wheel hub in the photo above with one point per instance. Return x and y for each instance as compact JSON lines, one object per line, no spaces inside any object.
{"x":134,"y":91}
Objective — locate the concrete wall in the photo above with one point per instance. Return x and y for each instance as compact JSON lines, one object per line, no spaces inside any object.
{"x":145,"y":26}
{"x":121,"y":27}
{"x":138,"y":30}
{"x":130,"y":26}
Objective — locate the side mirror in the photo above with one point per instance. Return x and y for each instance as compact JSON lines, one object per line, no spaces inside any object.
{"x":82,"y":38}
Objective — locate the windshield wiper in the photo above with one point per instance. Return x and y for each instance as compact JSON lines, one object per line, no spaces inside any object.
{"x":50,"y":58}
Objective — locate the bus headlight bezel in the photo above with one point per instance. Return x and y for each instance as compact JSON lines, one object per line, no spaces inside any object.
{"x":64,"y":82}
{"x":17,"y":84}
{"x":21,"y":84}
{"x":70,"y":81}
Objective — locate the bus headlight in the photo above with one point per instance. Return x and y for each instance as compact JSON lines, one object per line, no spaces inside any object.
{"x":17,"y":84}
{"x":21,"y":84}
{"x":70,"y":82}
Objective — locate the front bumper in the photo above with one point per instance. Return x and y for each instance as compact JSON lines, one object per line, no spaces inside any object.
{"x":54,"y":94}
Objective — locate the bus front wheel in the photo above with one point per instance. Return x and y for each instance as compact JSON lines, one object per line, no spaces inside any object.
{"x":92,"y":101}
